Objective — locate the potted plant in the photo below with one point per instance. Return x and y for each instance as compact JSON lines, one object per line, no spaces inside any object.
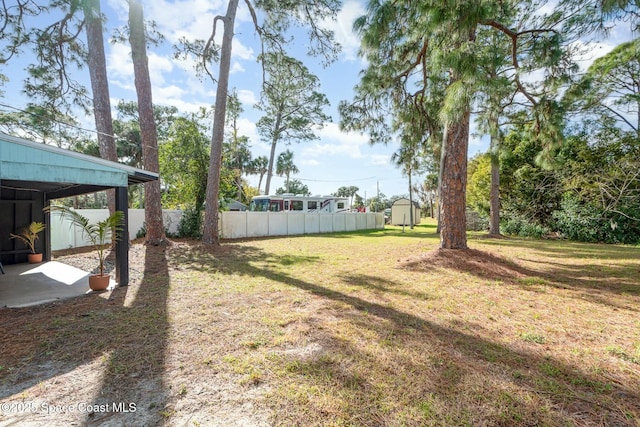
{"x":29,"y":235}
{"x":99,"y":234}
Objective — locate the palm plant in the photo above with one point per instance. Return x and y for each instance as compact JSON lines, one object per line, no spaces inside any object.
{"x":260,"y":166}
{"x":286,"y":167}
{"x":99,"y":233}
{"x":29,"y":234}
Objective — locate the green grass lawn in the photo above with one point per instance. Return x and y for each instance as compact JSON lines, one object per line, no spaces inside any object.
{"x":371,"y":328}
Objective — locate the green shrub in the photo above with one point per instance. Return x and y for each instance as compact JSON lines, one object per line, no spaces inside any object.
{"x":588,"y":223}
{"x":518,"y":226}
{"x":191,"y":223}
{"x":142,"y":232}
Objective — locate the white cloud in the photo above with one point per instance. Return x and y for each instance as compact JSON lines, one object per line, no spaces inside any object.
{"x":247,"y":97}
{"x":120,"y":67}
{"x":334,"y":142}
{"x":343,"y":28}
{"x":248,"y":128}
{"x":158,"y":65}
{"x":380,"y":160}
{"x":316,"y":149}
{"x":238,"y":50}
{"x":590,"y":51}
{"x":332,"y":131}
{"x":236,"y":67}
{"x":309,"y":162}
{"x":189,"y":18}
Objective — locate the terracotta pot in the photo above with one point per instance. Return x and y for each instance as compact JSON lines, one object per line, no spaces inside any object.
{"x":98,"y":282}
{"x":34,"y":258}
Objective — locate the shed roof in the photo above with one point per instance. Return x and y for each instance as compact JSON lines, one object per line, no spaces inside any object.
{"x":31,"y":166}
{"x":405,"y":202}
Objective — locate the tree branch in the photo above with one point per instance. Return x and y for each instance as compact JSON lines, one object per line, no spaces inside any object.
{"x":207,"y":46}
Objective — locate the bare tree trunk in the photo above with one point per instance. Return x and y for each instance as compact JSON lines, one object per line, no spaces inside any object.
{"x":272,"y":156}
{"x":100,"y":87}
{"x":453,"y":221}
{"x":494,"y":199}
{"x":239,"y":185}
{"x":411,"y":208}
{"x":260,"y":182}
{"x":210,"y":235}
{"x":443,"y":157}
{"x":153,"y":207}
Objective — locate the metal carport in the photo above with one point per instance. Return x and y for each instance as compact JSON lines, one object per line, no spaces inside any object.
{"x":32,"y":174}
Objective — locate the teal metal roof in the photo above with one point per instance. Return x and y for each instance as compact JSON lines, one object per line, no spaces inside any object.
{"x":61,"y":173}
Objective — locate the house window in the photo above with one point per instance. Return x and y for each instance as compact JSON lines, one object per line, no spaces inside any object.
{"x":296,"y":205}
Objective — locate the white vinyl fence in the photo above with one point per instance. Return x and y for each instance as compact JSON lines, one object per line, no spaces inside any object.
{"x":64,"y":235}
{"x":236,"y":225}
{"x":233,"y":225}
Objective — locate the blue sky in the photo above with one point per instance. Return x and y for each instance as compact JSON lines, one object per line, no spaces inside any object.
{"x":335,"y":159}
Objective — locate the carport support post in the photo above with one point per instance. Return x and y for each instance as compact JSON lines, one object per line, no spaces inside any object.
{"x":122,"y":242}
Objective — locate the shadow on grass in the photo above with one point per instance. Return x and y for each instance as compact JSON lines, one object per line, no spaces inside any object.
{"x":509,"y":379}
{"x":591,"y":280}
{"x":126,"y":342}
{"x":135,"y":363}
{"x":381,"y":285}
{"x":564,"y":248}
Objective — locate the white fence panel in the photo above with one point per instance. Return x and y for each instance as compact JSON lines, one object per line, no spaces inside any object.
{"x":350,"y":222}
{"x":371,"y":221}
{"x":236,"y":225}
{"x":278,"y":224}
{"x":257,"y":223}
{"x":326,"y":223}
{"x":64,"y":235}
{"x":296,"y":224}
{"x":233,"y":225}
{"x":311,"y":224}
{"x":339,"y":223}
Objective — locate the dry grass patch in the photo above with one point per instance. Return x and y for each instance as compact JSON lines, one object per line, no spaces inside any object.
{"x":374,"y":328}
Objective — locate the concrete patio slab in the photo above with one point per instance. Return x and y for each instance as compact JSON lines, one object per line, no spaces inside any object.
{"x":25,"y":285}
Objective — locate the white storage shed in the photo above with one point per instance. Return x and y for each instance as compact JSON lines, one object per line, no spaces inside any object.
{"x":401,"y":212}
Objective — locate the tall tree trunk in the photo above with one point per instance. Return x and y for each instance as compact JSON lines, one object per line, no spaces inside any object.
{"x":453,"y":220}
{"x":239,"y":185}
{"x":100,"y":87}
{"x":494,"y":198}
{"x":210,"y":235}
{"x":431,"y":208}
{"x":411,"y":209}
{"x":272,"y":157}
{"x":260,"y":182}
{"x":148,"y":133}
{"x":443,"y":156}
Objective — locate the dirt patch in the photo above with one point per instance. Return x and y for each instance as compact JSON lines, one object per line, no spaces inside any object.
{"x":479,"y":263}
